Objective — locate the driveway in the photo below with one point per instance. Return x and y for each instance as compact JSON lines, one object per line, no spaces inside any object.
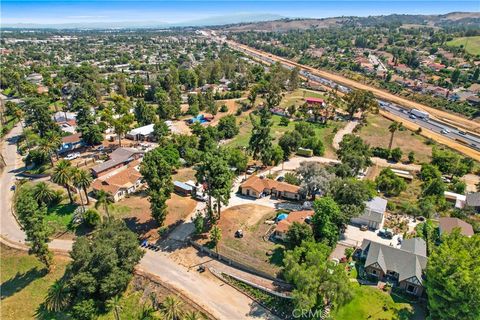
{"x":219,"y":299}
{"x":353,"y":237}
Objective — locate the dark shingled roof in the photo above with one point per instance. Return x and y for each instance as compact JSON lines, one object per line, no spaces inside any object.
{"x":408,"y":261}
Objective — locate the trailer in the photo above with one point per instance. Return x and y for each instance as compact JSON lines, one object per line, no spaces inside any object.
{"x":420,"y":114}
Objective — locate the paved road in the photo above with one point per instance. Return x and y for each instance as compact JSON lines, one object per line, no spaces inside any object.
{"x":469,"y":140}
{"x":219,"y":299}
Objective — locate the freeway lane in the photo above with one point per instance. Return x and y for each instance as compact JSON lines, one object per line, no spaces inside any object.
{"x":468,"y":140}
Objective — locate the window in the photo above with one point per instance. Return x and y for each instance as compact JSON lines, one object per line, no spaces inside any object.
{"x":374,"y":271}
{"x":411,"y":289}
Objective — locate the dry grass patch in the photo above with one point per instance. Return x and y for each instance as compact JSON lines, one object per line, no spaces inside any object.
{"x":377,"y":135}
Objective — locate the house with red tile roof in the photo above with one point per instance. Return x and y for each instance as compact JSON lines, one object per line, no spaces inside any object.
{"x":294,"y":216}
{"x":119,"y":183}
{"x":256,"y":186}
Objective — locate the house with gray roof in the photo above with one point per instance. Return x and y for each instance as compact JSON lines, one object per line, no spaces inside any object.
{"x":374,"y":214}
{"x":473,"y":200}
{"x":118,"y":158}
{"x":403,"y":267}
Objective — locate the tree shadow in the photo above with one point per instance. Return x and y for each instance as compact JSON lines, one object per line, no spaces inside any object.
{"x":140,"y":228}
{"x":20,"y":281}
{"x":277,"y":256}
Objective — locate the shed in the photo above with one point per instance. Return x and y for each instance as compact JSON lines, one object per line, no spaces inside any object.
{"x":182,"y":188}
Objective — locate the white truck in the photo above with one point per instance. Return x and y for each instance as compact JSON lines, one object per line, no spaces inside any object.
{"x":420,"y":114}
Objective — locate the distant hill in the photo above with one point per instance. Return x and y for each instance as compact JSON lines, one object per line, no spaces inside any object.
{"x":468,"y":19}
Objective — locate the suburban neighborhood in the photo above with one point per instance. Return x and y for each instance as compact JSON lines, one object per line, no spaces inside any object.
{"x":281,"y":168}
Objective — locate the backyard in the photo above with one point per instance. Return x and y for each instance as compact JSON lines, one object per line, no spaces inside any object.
{"x":135,"y":210}
{"x":372,"y":303}
{"x":252,"y":249}
{"x":377,"y":135}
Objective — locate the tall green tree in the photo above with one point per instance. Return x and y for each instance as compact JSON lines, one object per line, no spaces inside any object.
{"x":63,"y":175}
{"x":215,"y":236}
{"x":354,"y":153}
{"x":360,"y":100}
{"x":102,"y":266}
{"x":214,"y":171}
{"x":318,"y":281}
{"x":327,"y":220}
{"x":32,"y":217}
{"x":393,"y":127}
{"x":260,"y":140}
{"x":452,"y":278}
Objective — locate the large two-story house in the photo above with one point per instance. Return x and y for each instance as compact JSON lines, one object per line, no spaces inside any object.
{"x":403,"y":267}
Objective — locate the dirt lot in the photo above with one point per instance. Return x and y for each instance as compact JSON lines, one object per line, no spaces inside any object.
{"x":135,"y":211}
{"x":377,"y":135}
{"x":184,"y":174}
{"x":251,"y":249}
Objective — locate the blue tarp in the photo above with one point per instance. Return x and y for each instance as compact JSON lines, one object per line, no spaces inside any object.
{"x":282,"y":216}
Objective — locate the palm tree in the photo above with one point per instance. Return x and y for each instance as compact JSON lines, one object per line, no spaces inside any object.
{"x":48,"y":148}
{"x":172,"y":308}
{"x":216,"y":236}
{"x":55,"y":141}
{"x":114,"y":304}
{"x":43,"y":193}
{"x":193,"y":315}
{"x":58,"y":297}
{"x":103,"y":199}
{"x":83,"y":179}
{"x":147,"y":313}
{"x":63,"y":175}
{"x":394,"y":126}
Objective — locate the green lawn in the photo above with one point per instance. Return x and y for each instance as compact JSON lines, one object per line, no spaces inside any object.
{"x":471,"y":44}
{"x":59,"y":218}
{"x":277,"y":130}
{"x":25,"y":284}
{"x":297,"y":97}
{"x":372,"y":303}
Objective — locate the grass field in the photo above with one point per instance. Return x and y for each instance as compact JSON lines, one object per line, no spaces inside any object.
{"x":277,"y":130}
{"x":372,"y":303}
{"x":25,"y":284}
{"x":377,"y":135}
{"x":471,"y":44}
{"x":298,"y":96}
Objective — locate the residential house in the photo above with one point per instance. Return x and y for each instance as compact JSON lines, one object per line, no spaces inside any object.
{"x":119,"y":183}
{"x":71,"y":143}
{"x":257,"y":186}
{"x":282,"y":227}
{"x":118,"y":158}
{"x":473,"y":201}
{"x":473,"y":100}
{"x":141,"y":133}
{"x":374,"y":214}
{"x":403,"y":267}
{"x":447,"y":225}
{"x":458,"y":199}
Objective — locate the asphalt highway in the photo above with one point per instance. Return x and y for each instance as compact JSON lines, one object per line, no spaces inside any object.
{"x":467,"y":139}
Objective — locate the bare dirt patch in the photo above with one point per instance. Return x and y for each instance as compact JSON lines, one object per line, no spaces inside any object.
{"x":252,"y":249}
{"x":135,"y":210}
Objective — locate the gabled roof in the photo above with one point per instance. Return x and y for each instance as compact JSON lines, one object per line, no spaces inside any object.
{"x":408,"y":262}
{"x":260,"y":184}
{"x":120,"y":155}
{"x":447,"y":225}
{"x":122,"y":179}
{"x":294,"y":216}
{"x":415,"y":245}
{"x":377,"y":204}
{"x":73,"y":138}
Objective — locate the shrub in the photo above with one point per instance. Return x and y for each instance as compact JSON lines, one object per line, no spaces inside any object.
{"x":284,"y":121}
{"x":389,"y":183}
{"x":91,"y":217}
{"x":292,"y":178}
{"x":411,"y":157}
{"x":380,"y":152}
{"x":223,"y":108}
{"x":396,"y":154}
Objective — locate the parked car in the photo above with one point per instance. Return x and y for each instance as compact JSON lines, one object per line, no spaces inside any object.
{"x":385,"y":233}
{"x":239,"y":234}
{"x":364,"y":227}
{"x":72,"y":156}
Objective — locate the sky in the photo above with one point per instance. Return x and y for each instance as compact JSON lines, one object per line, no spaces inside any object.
{"x":94,"y":11}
